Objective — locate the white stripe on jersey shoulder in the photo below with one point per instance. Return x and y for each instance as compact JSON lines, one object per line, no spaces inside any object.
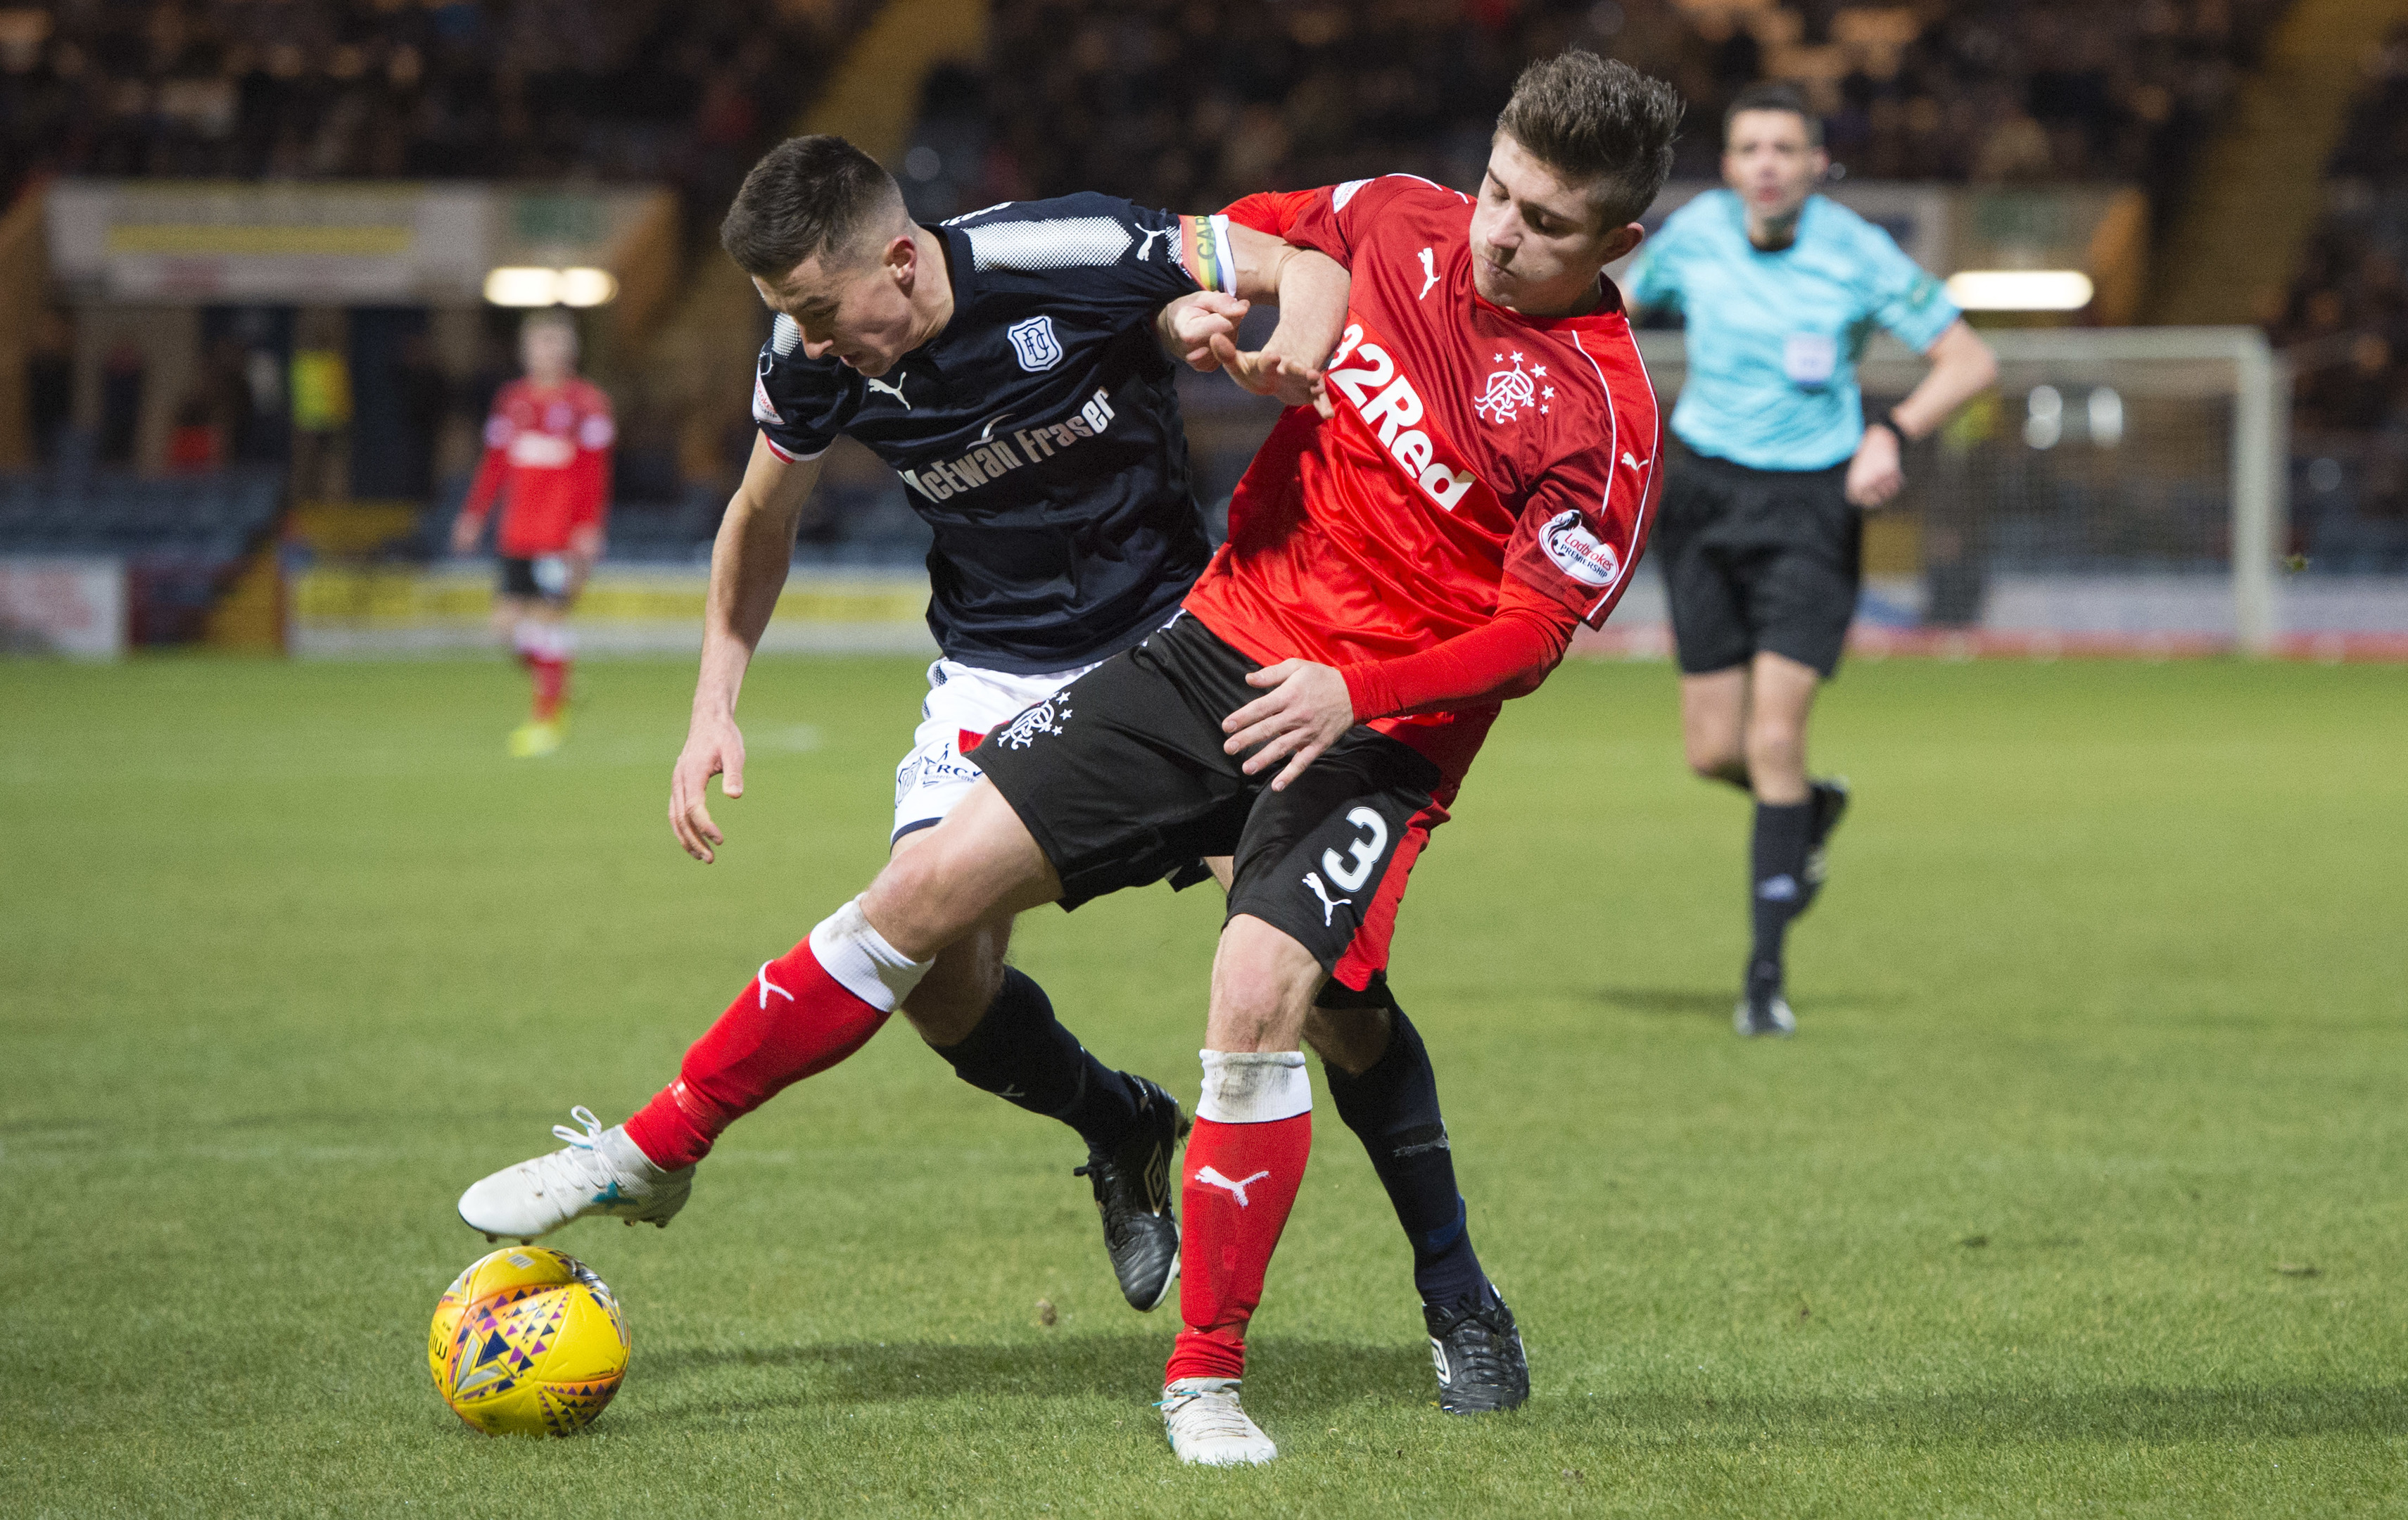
{"x":785,"y":335}
{"x":1070,"y":242}
{"x":1647,"y":471}
{"x":957,"y":221}
{"x":1339,"y":197}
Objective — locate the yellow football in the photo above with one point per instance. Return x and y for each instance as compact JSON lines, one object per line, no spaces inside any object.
{"x":527,"y":1341}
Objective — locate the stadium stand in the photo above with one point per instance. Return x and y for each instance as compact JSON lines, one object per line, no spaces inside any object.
{"x":2345,"y":326}
{"x":1170,"y":102}
{"x":1985,"y":91}
{"x":663,"y":90}
{"x":184,"y":539}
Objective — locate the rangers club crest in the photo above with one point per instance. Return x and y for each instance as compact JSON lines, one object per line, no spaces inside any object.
{"x":1033,"y":340}
{"x":1509,"y":391}
{"x":1046,"y":717}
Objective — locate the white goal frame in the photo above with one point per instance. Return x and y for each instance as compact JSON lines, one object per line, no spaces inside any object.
{"x":2260,"y":458}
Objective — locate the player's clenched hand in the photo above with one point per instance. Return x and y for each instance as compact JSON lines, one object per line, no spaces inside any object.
{"x":1303,"y":713}
{"x":713,"y":747}
{"x":1874,"y":475}
{"x":1188,"y":325}
{"x":1266,"y":373}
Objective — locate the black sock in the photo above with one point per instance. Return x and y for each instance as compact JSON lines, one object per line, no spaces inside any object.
{"x":1021,"y":1053}
{"x":1393,"y":1107}
{"x":1778,"y":880}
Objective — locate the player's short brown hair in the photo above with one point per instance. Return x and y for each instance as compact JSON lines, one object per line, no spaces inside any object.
{"x":808,"y":197}
{"x":1773,"y":96}
{"x":1600,"y":121}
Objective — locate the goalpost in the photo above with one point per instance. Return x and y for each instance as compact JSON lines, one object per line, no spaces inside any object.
{"x":2117,"y":489}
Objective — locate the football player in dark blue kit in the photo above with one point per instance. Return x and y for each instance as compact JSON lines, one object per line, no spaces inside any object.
{"x":1016,"y":368}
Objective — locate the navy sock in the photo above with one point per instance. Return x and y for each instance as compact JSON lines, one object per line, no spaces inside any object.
{"x":1393,"y":1107}
{"x":1021,"y":1053}
{"x":1777,"y":877}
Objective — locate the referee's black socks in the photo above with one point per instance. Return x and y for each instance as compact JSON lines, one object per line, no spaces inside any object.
{"x":1021,"y":1053}
{"x":1393,"y":1107}
{"x":1777,"y":881}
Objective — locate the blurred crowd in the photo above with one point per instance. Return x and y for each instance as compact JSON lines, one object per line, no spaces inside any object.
{"x":2344,"y":325}
{"x":1186,"y":102}
{"x":679,"y":92}
{"x":2345,"y":317}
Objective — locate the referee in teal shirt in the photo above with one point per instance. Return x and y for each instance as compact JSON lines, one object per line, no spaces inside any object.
{"x":1770,"y":463}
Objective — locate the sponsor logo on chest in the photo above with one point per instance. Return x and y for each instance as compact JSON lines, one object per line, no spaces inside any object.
{"x":541,"y":451}
{"x":996,"y":456}
{"x":1365,"y":372}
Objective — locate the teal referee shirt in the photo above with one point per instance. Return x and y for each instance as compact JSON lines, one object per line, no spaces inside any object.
{"x":1774,"y":336}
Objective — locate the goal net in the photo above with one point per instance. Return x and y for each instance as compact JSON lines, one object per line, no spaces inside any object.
{"x":2119,"y":491}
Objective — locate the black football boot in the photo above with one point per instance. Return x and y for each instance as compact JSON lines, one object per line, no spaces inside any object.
{"x":1132,"y":1184}
{"x":1481,"y":1368}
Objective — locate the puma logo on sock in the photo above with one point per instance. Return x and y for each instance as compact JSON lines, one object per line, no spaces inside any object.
{"x":768,"y":987}
{"x":1210,"y":1178}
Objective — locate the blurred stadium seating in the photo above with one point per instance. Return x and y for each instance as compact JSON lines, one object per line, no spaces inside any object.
{"x":1183,"y":103}
{"x":676,"y":91}
{"x":1988,"y":118}
{"x":2345,"y":326}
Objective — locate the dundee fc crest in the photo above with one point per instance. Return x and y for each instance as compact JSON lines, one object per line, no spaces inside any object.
{"x":1033,"y":340}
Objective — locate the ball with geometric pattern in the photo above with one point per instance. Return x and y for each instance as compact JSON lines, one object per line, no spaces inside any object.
{"x":527,"y":1341}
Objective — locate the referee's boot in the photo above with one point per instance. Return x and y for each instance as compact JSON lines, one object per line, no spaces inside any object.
{"x":1478,"y":1351}
{"x":1762,"y":1009}
{"x":1830,"y":798}
{"x":1132,"y":1184}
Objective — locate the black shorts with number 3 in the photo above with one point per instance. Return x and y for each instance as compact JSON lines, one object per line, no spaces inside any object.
{"x":1121,"y":777}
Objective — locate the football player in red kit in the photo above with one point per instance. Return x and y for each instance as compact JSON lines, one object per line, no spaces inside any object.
{"x":1481,"y":486}
{"x":548,"y":459}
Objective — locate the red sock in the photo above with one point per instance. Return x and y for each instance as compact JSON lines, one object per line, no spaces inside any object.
{"x":791,"y":1021}
{"x":551,"y":684}
{"x":1254,"y":1131}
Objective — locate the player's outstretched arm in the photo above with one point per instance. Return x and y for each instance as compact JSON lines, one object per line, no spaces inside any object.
{"x":1962,"y":367}
{"x":1310,"y":289}
{"x":748,"y":571}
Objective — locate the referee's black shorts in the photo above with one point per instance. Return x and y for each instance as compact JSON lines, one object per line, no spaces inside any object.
{"x":1755,"y":560}
{"x":1121,"y":779}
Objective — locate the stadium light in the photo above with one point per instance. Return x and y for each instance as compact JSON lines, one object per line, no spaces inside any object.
{"x":587,"y":287}
{"x":2019,"y":289}
{"x":511,"y":286}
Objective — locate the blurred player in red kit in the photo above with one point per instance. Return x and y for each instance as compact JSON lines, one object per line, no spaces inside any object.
{"x":547,"y":460}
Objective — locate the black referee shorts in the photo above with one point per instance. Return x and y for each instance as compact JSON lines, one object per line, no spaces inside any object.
{"x":1757,"y":559}
{"x":1121,"y":777}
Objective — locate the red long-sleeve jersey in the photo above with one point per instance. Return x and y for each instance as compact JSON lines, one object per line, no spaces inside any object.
{"x":548,"y":456}
{"x":1487,"y":482}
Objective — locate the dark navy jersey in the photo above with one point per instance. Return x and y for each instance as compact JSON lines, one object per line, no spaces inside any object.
{"x":1038,"y":434}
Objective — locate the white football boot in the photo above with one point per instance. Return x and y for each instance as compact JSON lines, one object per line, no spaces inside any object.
{"x":600,"y":1172}
{"x":1209,"y":1428}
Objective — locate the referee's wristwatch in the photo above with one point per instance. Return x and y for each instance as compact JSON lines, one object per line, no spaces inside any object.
{"x":1897,"y":430}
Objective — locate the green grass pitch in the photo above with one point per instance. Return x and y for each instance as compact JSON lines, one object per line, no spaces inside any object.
{"x":2080,"y":1191}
